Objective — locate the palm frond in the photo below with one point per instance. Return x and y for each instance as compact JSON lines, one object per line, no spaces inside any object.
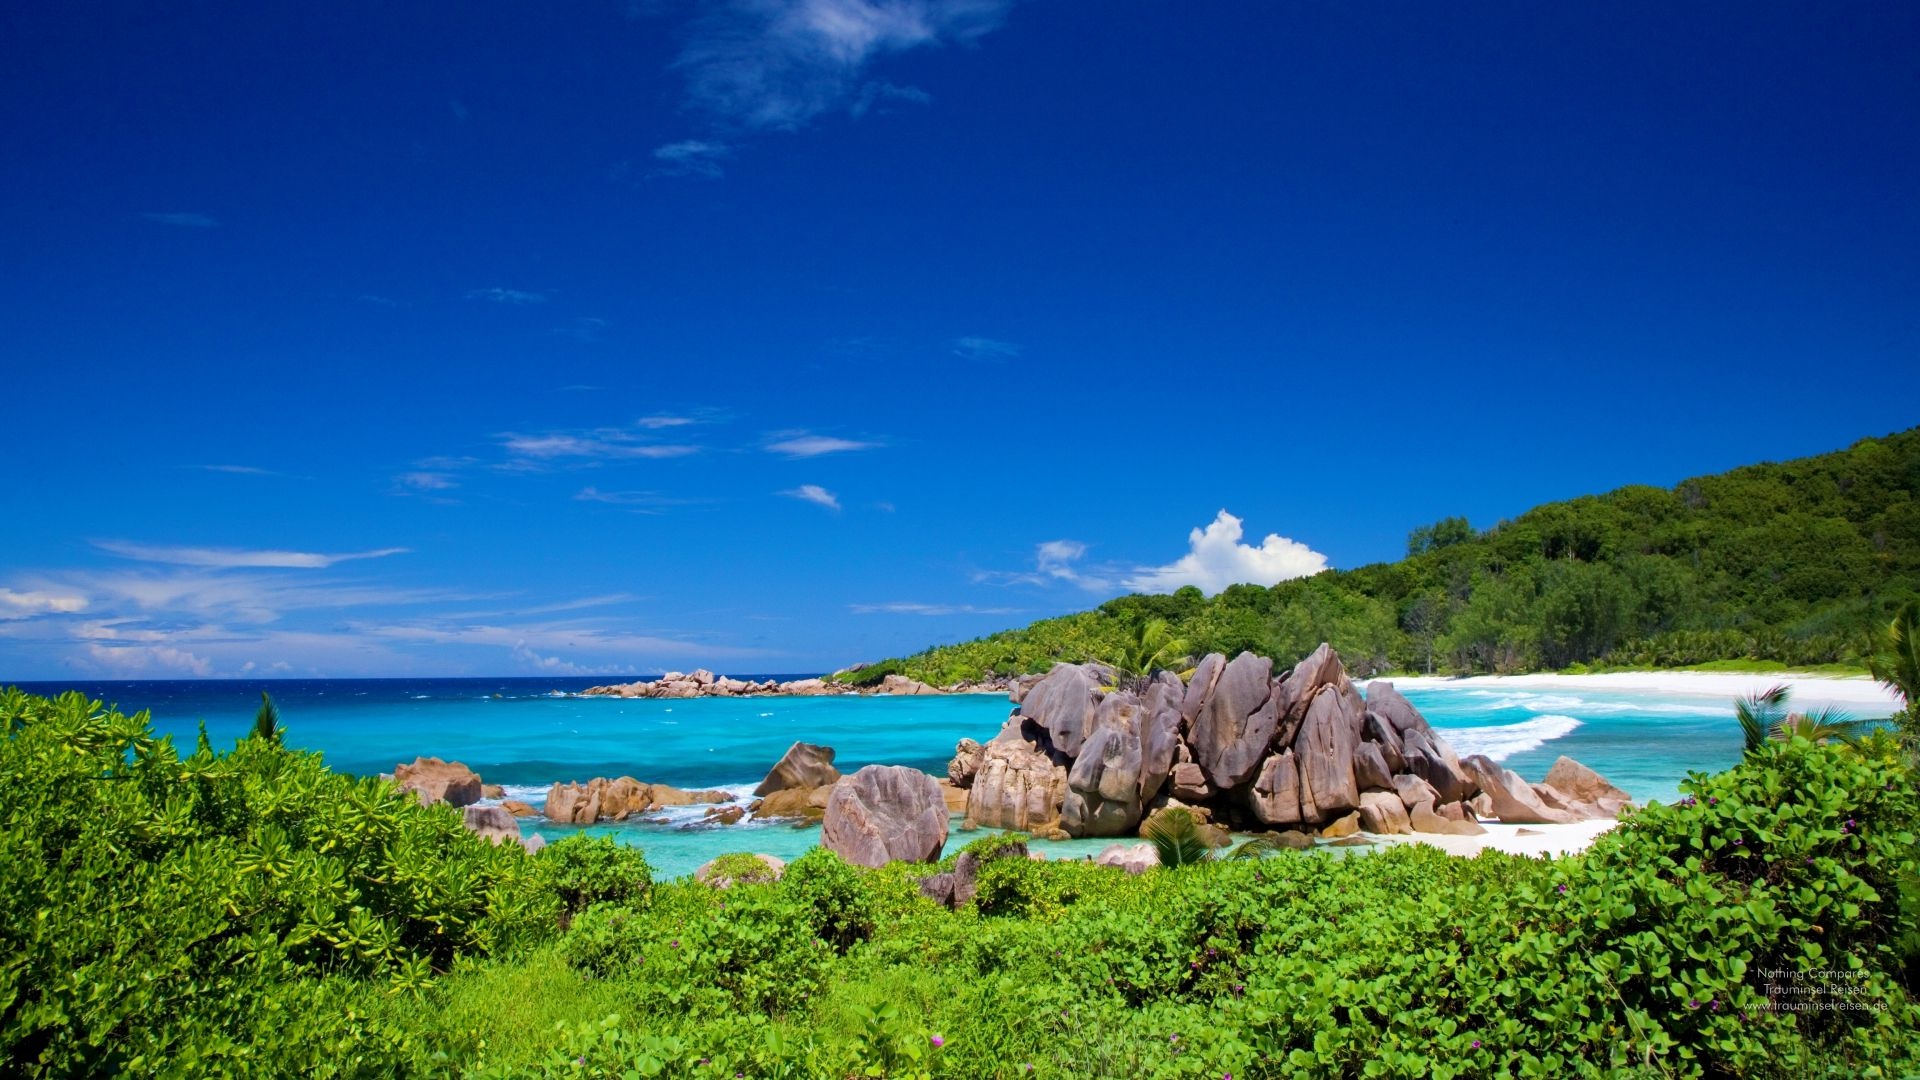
{"x":1895,"y":657}
{"x":1827,"y":725}
{"x":1761,"y":714}
{"x":266,"y":722}
{"x":1176,"y":837}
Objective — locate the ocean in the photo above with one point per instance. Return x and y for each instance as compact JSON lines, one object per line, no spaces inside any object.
{"x":529,"y":733}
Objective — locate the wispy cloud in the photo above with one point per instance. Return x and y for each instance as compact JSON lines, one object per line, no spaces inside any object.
{"x":771,"y":65}
{"x":183,"y":221}
{"x":1216,"y":558}
{"x":499,"y":295}
{"x":907,"y":608}
{"x":1055,"y":562}
{"x":426,"y":481}
{"x":585,"y":328}
{"x":690,"y":157}
{"x":984,"y":348}
{"x":640,"y":502}
{"x":814,"y":494}
{"x":799,"y":444}
{"x":236,"y":558}
{"x":878,"y":95}
{"x":238,"y":470}
{"x":598,"y":444}
{"x":21,"y":605}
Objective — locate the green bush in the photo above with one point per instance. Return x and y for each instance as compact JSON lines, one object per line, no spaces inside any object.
{"x":581,"y":871}
{"x":831,"y":898}
{"x":162,"y":914}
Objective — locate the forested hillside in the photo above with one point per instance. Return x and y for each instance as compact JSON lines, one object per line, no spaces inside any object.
{"x":1788,"y":562}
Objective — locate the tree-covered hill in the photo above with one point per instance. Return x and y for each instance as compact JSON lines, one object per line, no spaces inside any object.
{"x":1789,"y":562}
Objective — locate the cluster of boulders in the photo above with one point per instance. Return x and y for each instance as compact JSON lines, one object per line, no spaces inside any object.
{"x":1082,"y":755}
{"x":431,"y":780}
{"x":704,"y":683}
{"x":617,"y":799}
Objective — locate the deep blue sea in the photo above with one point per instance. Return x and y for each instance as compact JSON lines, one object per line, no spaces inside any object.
{"x":526,"y":734}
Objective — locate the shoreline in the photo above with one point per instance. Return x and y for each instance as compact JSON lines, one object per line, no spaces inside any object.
{"x":1809,"y":690}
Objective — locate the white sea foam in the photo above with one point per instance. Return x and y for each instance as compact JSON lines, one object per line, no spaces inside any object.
{"x":1501,"y":741}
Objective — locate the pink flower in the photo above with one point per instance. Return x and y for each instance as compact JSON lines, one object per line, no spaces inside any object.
{"x":938,"y":1042}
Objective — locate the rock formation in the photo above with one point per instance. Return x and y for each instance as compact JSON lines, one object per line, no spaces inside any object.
{"x":1087,"y":754}
{"x":435,"y":781}
{"x":885,"y":813}
{"x":601,"y":799}
{"x":804,"y":765}
{"x":495,"y":825}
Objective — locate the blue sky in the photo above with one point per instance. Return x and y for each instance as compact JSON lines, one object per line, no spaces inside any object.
{"x":772,"y":335}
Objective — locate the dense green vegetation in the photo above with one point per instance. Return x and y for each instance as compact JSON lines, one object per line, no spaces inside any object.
{"x":253,"y":914}
{"x":1789,"y":563}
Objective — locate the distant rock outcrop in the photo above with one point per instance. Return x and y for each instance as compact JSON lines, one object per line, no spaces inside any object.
{"x":885,"y":813}
{"x":1088,"y":754}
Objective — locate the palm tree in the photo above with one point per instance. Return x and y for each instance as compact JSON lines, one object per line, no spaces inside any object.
{"x":1149,"y":648}
{"x":1895,"y":661}
{"x":1764,"y":716}
{"x":266,"y":722}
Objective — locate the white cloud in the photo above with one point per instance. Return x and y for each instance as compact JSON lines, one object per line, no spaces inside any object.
{"x":234,"y":558}
{"x":240,"y":470}
{"x":664,"y":420}
{"x":127,"y":659}
{"x":184,"y":221}
{"x":815,"y":494}
{"x":498,"y":295}
{"x":1216,"y":559}
{"x":690,"y":157}
{"x":902,"y":607}
{"x":22,"y":605}
{"x":802,"y":445}
{"x":551,"y":665}
{"x":1054,"y":561}
{"x":984,"y":348}
{"x":604,"y":443}
{"x":426,"y":481}
{"x":775,"y":64}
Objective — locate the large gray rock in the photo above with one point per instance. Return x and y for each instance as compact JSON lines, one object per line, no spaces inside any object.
{"x":1388,"y":703}
{"x":1370,"y":769}
{"x":885,"y":813}
{"x":1063,"y":703}
{"x":1160,"y":741}
{"x":491,"y":823}
{"x":1378,"y":730}
{"x":1414,"y":791}
{"x":1582,"y":786}
{"x":1276,"y":791}
{"x":966,"y":763}
{"x":1021,"y":784}
{"x":1200,"y":687}
{"x":1325,"y":748}
{"x":1514,"y":800}
{"x":1236,"y":723}
{"x":804,"y":765}
{"x":1431,"y":759}
{"x":957,"y":887}
{"x":1382,"y":812}
{"x":1103,"y":786}
{"x":434,"y":781}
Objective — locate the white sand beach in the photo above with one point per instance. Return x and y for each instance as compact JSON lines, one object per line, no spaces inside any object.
{"x":1513,"y":839}
{"x":1858,"y":694}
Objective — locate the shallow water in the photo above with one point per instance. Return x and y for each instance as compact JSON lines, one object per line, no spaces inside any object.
{"x":526,"y":734}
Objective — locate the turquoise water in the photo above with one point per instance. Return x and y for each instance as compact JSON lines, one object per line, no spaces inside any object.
{"x":527,"y":734}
